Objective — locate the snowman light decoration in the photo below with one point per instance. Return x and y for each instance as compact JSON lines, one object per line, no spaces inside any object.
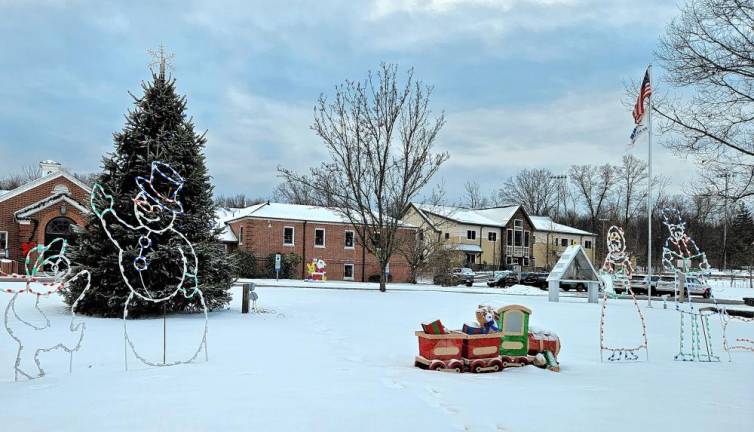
{"x":618,"y":266}
{"x":155,"y":209}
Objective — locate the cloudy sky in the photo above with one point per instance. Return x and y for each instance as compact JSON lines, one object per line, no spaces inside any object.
{"x":523,"y":83}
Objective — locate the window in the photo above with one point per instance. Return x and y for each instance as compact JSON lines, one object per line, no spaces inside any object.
{"x":555,"y":241}
{"x":60,"y":189}
{"x":518,"y":236}
{"x":510,"y":237}
{"x":420,"y":235}
{"x":513,"y":322}
{"x":587,"y":244}
{"x":349,"y":240}
{"x":376,"y":240}
{"x":526,"y":238}
{"x":470,"y":258}
{"x":509,"y":260}
{"x":288,"y":236}
{"x":564,"y":242}
{"x":471,"y":235}
{"x":240,"y":235}
{"x":526,"y":261}
{"x":518,"y":223}
{"x":319,"y":237}
{"x":492,"y":236}
{"x":3,"y":240}
{"x":447,"y":236}
{"x":348,"y":271}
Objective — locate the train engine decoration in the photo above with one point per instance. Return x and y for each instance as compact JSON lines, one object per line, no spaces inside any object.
{"x":498,"y":339}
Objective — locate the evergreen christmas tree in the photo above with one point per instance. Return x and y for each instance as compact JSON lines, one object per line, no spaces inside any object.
{"x":156,"y":129}
{"x":741,"y":237}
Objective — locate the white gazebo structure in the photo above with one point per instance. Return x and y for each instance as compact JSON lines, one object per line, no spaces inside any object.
{"x":574,"y":266}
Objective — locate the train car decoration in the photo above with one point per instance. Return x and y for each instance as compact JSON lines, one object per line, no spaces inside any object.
{"x":499,"y":339}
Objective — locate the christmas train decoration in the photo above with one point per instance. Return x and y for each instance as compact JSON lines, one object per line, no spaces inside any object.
{"x":499,"y":339}
{"x":47,"y":271}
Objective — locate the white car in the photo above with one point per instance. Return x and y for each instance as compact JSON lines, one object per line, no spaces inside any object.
{"x":693,"y":286}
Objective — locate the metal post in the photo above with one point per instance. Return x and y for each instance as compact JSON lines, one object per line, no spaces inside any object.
{"x":164,"y":333}
{"x":649,"y":195}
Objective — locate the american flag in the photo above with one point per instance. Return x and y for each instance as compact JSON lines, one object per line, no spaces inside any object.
{"x":644,"y":93}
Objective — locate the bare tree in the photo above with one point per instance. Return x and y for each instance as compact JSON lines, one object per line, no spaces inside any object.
{"x":380,"y":135}
{"x":707,"y":52}
{"x":593,"y":185}
{"x":631,"y":178}
{"x":472,"y":196}
{"x":300,"y":193}
{"x":534,"y":189}
{"x":237,"y":201}
{"x":13,"y":181}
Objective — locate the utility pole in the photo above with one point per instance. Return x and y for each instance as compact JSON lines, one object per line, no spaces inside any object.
{"x":726,"y":176}
{"x":559,"y":179}
{"x":603,"y":242}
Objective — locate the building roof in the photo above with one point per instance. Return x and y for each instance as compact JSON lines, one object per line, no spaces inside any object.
{"x":469,"y":248}
{"x":495,"y":216}
{"x":3,"y":191}
{"x":282,"y":211}
{"x":42,"y":204}
{"x":42,"y":180}
{"x":546,"y":224}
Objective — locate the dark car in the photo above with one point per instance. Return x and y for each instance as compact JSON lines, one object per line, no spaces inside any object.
{"x":455,"y":277}
{"x":503,"y":279}
{"x":535,"y":279}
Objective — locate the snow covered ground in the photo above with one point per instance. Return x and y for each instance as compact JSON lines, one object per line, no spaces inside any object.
{"x":342,"y":359}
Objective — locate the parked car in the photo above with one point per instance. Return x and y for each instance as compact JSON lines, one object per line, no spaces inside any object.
{"x":503,"y":279}
{"x":576,"y":286}
{"x":536,"y":279}
{"x":457,"y":276}
{"x":638,"y":284}
{"x":694,"y":286}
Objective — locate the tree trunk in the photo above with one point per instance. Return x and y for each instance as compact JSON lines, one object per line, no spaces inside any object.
{"x":383,"y":277}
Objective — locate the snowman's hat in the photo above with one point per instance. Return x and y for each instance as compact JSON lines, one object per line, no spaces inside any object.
{"x":162,"y":187}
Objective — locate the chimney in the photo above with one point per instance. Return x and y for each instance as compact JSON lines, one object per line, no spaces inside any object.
{"x":49,"y":167}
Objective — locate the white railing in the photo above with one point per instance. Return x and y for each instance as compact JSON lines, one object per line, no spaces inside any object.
{"x":517,"y":251}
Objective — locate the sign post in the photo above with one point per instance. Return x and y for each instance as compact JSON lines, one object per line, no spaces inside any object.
{"x":277,"y":266}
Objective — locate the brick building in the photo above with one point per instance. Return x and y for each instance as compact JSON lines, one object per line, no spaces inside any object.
{"x":40,"y":211}
{"x":310,"y":232}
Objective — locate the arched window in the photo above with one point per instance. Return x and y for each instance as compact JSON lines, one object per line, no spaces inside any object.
{"x":60,"y":227}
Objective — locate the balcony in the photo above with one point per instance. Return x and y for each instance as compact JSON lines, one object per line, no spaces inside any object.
{"x":517,"y":251}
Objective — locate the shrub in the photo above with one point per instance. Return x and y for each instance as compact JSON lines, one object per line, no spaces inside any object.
{"x":245,"y":264}
{"x":288,"y":265}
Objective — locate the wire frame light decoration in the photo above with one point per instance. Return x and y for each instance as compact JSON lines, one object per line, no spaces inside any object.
{"x":618,"y":267}
{"x":155,"y":209}
{"x":740,"y":344}
{"x":49,"y":263}
{"x":681,"y":255}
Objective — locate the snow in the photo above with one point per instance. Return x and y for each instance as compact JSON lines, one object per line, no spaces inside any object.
{"x":544,"y":223}
{"x":342,"y":359}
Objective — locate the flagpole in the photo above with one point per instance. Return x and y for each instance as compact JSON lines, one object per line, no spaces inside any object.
{"x":649,"y":196}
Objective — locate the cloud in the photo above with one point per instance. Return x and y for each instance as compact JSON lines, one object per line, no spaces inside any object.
{"x":492,"y":143}
{"x":255,"y":135}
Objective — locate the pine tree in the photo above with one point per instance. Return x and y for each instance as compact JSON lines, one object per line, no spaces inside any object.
{"x":741,"y":237}
{"x":156,"y":129}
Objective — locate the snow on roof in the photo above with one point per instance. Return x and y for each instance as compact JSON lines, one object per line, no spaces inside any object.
{"x":297,"y":212}
{"x":496,"y":216}
{"x":544,"y":223}
{"x":3,"y":191}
